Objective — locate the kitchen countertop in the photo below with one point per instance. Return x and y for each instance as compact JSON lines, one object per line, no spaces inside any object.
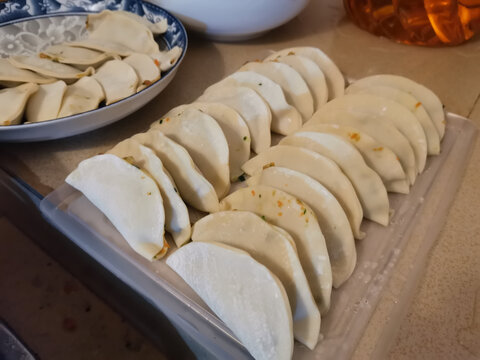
{"x":444,"y":318}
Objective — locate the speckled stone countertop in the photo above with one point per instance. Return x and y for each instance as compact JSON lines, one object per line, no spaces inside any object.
{"x":443,"y":321}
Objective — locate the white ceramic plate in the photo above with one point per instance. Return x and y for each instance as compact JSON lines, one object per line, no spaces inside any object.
{"x":29,"y":26}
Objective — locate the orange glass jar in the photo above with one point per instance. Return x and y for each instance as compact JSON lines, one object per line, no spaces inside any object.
{"x":421,"y":22}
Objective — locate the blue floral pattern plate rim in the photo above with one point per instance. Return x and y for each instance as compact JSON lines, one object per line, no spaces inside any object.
{"x":29,"y":26}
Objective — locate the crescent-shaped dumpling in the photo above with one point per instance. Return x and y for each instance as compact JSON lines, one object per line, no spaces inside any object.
{"x":83,"y":95}
{"x":318,"y":167}
{"x":330,"y":215}
{"x":144,"y":66}
{"x":118,"y":28}
{"x":335,"y":80}
{"x":46,"y":102}
{"x":12,"y":76}
{"x":177,"y":221}
{"x":295,"y":88}
{"x":381,"y":159}
{"x":244,"y":294}
{"x":284,"y":210}
{"x":128,"y":197}
{"x":156,"y":28}
{"x":369,"y":187}
{"x":285,"y":118}
{"x":165,"y":60}
{"x":194,"y":188}
{"x":13,"y":101}
{"x":311,"y":73}
{"x":204,"y":140}
{"x":248,"y":232}
{"x":118,"y":80}
{"x":234,"y":128}
{"x":79,"y":57}
{"x":251,"y":107}
{"x":47,"y":67}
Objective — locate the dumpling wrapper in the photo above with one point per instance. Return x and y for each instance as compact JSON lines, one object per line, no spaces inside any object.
{"x":145,"y":68}
{"x":381,"y":159}
{"x":333,"y":76}
{"x":165,"y":60}
{"x":79,"y":57}
{"x":234,"y":128}
{"x":47,"y":67}
{"x":128,"y":197}
{"x":117,"y":28}
{"x":388,"y":110}
{"x":204,"y":140}
{"x":46,"y":102}
{"x":285,"y":118}
{"x":177,"y":221}
{"x":118,"y":80}
{"x":425,"y":96}
{"x":318,"y":167}
{"x":244,"y":294}
{"x":192,"y":185}
{"x":13,"y":102}
{"x":342,"y":112}
{"x":330,"y":215}
{"x":83,"y":95}
{"x":311,"y":73}
{"x":294,"y":87}
{"x":247,"y":231}
{"x":12,"y":76}
{"x":407,"y":100}
{"x":369,"y":187}
{"x":156,"y":28}
{"x":251,"y":107}
{"x":283,"y":210}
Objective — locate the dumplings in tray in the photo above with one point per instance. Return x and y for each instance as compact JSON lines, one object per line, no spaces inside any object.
{"x":12,"y":103}
{"x":247,"y":297}
{"x":274,"y":249}
{"x":286,"y":211}
{"x":128,"y":197}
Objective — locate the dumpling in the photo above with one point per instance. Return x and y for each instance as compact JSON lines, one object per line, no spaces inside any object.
{"x":156,"y":28}
{"x":285,"y":118}
{"x":104,"y":45}
{"x":12,"y":76}
{"x":118,"y":80}
{"x":78,"y":57}
{"x":13,"y":101}
{"x":234,"y":128}
{"x":333,"y":76}
{"x":118,"y":28}
{"x":47,"y":67}
{"x":46,"y":102}
{"x":83,"y":95}
{"x":296,"y":90}
{"x":144,"y":66}
{"x":244,"y":294}
{"x":284,"y":210}
{"x":128,"y":197}
{"x":270,"y":247}
{"x":204,"y":140}
{"x":251,"y":107}
{"x":165,"y":60}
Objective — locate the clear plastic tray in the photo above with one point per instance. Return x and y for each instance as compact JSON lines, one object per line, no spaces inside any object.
{"x":352,"y":305}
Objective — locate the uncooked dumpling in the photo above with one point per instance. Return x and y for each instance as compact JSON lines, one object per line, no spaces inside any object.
{"x":144,"y":66}
{"x":12,"y":76}
{"x":103,"y":45}
{"x":47,"y":67}
{"x":46,"y":102}
{"x":118,"y":80}
{"x":165,"y":60}
{"x":244,"y":294}
{"x":156,"y":28}
{"x":84,"y":95}
{"x":118,"y":28}
{"x":75,"y":56}
{"x":128,"y":197}
{"x":12,"y":103}
{"x":248,"y":232}
{"x":204,"y":140}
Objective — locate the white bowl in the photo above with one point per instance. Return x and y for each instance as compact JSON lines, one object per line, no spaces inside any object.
{"x":233,"y":20}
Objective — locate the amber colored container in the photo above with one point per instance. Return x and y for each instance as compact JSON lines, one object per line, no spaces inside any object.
{"x":421,"y":22}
